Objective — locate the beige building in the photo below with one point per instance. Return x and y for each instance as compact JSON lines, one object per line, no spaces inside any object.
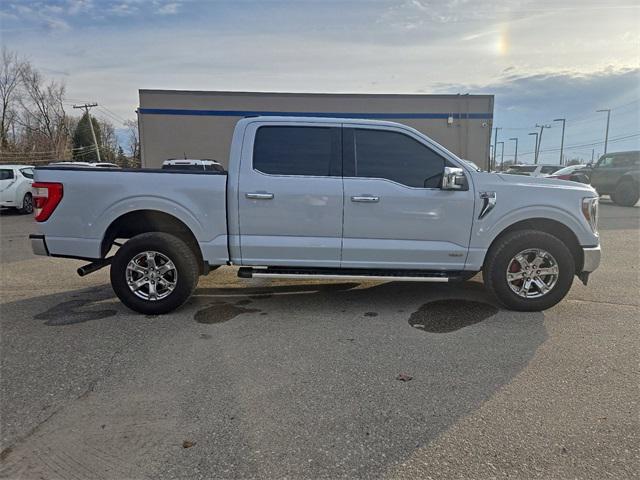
{"x":197,"y":124}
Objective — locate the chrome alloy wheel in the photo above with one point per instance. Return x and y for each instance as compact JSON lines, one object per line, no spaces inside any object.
{"x":532,"y":273}
{"x":151,"y":276}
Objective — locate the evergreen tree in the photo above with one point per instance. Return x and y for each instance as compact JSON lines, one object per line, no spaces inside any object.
{"x":83,"y":146}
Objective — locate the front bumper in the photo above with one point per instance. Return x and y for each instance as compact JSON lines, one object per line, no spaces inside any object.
{"x":38,"y":245}
{"x":591,"y":256}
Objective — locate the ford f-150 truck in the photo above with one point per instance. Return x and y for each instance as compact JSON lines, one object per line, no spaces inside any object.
{"x":321,"y":198}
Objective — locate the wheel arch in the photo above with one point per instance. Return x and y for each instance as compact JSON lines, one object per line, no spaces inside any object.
{"x":552,"y":227}
{"x":136,"y":222}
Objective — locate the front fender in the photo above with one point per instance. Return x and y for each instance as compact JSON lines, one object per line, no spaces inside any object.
{"x":486,"y":232}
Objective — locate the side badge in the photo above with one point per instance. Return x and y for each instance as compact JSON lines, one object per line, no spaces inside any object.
{"x":488,"y":202}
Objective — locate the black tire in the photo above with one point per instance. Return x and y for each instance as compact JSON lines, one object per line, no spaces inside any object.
{"x":626,"y":194}
{"x":27,"y":203}
{"x":500,"y":256}
{"x":186,"y":268}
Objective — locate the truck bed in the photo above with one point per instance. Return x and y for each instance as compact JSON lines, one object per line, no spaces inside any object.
{"x":94,"y":198}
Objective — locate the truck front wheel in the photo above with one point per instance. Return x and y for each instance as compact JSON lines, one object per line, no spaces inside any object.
{"x":154,"y":273}
{"x":529,"y":270}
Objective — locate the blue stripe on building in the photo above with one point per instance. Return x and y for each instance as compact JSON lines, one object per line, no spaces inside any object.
{"x":251,"y":113}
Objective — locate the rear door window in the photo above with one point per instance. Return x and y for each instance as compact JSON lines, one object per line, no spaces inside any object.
{"x":308,"y":151}
{"x":27,"y":172}
{"x":6,"y":174}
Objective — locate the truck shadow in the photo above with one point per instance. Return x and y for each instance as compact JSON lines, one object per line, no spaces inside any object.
{"x":346,"y":377}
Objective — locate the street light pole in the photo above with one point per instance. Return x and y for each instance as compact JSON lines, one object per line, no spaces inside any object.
{"x":515,"y":157}
{"x":535,"y":153}
{"x":501,"y":156}
{"x":564,"y":121}
{"x":606,"y":135}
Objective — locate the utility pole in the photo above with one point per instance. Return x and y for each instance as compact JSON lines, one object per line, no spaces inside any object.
{"x":86,"y":108}
{"x":495,"y":145}
{"x":606,"y":135}
{"x":535,"y":152}
{"x":515,"y":157}
{"x":501,"y":156}
{"x":539,"y":139}
{"x":564,"y":121}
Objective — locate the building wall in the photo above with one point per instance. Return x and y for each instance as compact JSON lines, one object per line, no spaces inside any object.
{"x":175,"y":124}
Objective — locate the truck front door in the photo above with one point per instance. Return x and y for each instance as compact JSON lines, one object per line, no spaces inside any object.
{"x":290,"y":196}
{"x":395,"y":213}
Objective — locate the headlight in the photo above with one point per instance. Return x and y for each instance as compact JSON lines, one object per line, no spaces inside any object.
{"x":590,"y":212}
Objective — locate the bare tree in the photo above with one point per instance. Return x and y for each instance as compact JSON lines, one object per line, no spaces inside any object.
{"x":134,"y":141}
{"x":11,"y":70}
{"x":42,"y":113}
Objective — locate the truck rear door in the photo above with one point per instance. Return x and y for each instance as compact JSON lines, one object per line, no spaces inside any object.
{"x":290,"y":194}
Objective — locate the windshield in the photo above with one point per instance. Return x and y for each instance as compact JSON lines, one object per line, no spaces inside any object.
{"x":565,"y":170}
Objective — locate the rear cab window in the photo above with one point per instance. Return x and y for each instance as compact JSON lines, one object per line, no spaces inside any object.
{"x":298,"y":150}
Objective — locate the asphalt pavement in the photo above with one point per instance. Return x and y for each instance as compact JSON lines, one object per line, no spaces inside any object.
{"x":286,"y":379}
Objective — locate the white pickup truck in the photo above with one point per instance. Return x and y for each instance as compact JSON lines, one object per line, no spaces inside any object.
{"x":321,"y":198}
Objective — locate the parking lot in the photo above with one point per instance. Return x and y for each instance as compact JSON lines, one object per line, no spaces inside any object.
{"x":281,"y":379}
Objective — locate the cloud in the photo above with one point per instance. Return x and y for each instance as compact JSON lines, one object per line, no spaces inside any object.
{"x":56,"y":25}
{"x":168,"y":9}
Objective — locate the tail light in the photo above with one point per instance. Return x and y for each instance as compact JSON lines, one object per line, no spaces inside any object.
{"x":46,"y":197}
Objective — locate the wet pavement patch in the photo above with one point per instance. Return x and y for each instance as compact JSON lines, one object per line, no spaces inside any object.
{"x":72,"y":311}
{"x":220,"y":312}
{"x":442,"y":316}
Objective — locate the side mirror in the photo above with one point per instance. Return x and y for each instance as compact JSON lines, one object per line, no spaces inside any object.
{"x":454,"y":179}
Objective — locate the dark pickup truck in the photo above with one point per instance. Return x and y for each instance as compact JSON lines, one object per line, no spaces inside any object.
{"x":617,"y":174}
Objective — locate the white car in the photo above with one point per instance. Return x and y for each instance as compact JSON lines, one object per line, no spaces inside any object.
{"x":533,"y":170}
{"x":15,"y":187}
{"x":192,"y":164}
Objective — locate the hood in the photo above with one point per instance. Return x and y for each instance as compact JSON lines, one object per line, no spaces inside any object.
{"x":543,"y":182}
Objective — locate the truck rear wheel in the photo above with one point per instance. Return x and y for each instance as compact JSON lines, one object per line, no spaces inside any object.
{"x":626,"y":194}
{"x":529,"y":270}
{"x":154,"y":273}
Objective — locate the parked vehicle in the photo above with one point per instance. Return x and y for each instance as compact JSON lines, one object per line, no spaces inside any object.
{"x":537,"y":170}
{"x":322,"y":198}
{"x":574,"y":173}
{"x":192,"y":164}
{"x":15,"y":187}
{"x":617,"y":174}
{"x":84,"y":164}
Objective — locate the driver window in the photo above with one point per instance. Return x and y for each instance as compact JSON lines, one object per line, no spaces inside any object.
{"x":397,"y":157}
{"x":605,"y":162}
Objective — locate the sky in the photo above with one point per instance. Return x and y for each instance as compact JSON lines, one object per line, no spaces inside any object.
{"x":541,"y":59}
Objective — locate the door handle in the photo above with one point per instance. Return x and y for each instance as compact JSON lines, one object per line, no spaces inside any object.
{"x":365,"y":198}
{"x":259,"y":195}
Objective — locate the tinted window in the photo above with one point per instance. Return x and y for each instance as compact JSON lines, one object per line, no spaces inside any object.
{"x":213,"y":167}
{"x":549,"y":169}
{"x":27,"y":172}
{"x":6,"y":174}
{"x":396,"y":157}
{"x":297,"y":150}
